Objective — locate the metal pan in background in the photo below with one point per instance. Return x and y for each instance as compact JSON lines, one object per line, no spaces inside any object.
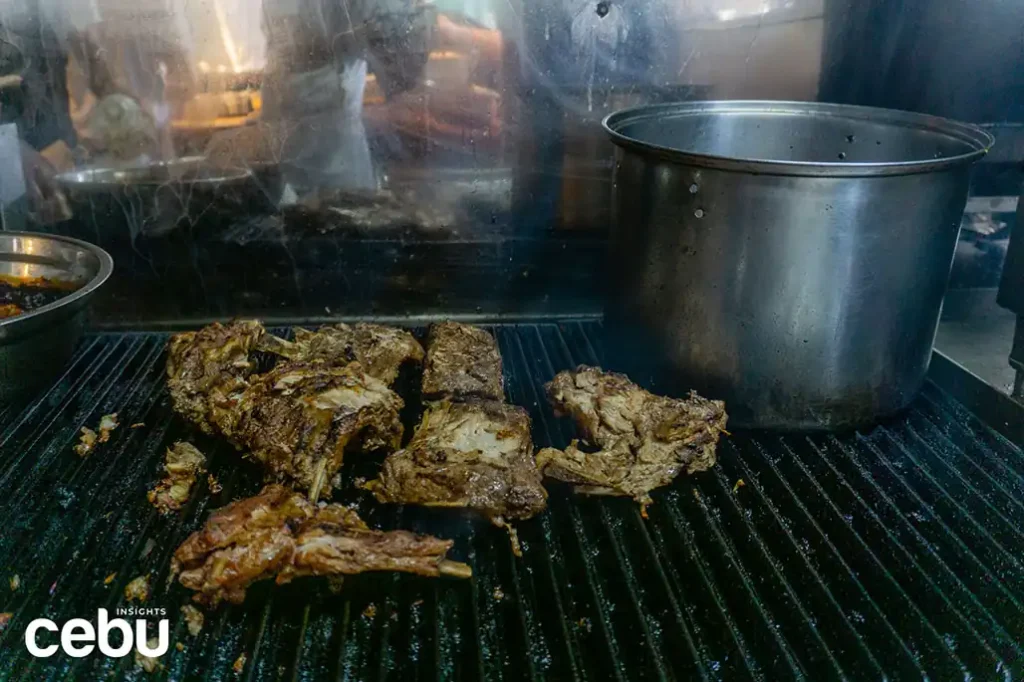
{"x":118,"y":204}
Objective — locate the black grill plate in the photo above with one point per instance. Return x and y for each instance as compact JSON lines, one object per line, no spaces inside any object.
{"x":894,"y":552}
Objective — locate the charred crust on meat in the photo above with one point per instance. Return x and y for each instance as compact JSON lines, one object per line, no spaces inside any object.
{"x":207,"y":368}
{"x":279,"y":534}
{"x":380,"y":349}
{"x":638,"y":440}
{"x":299,"y":418}
{"x":476,"y":454}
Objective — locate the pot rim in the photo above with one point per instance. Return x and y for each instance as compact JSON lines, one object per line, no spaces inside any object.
{"x":979,"y":139}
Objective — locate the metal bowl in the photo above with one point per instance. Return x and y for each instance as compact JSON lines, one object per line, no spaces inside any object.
{"x":188,"y":170}
{"x":157,"y":198}
{"x":35,"y":346}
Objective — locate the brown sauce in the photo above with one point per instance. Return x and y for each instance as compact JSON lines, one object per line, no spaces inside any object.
{"x":19,"y":295}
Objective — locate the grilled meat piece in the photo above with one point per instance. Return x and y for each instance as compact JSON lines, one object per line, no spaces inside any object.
{"x":86,"y":442}
{"x":476,"y":454}
{"x":280,"y":534}
{"x":208,"y":369}
{"x":645,"y":440}
{"x":462,"y":362}
{"x":298,"y":419}
{"x":183,"y":463}
{"x":381,"y":350}
{"x":337,"y":542}
{"x":193,"y":619}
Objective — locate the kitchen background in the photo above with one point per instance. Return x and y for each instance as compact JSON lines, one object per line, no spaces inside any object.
{"x":396,"y":158}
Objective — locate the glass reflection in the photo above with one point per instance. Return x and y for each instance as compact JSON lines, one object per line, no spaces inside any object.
{"x":487,"y":110}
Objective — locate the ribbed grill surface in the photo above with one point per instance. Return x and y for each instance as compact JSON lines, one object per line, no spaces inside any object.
{"x":895,"y":552}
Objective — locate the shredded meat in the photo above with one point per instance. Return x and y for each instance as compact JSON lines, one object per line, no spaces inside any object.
{"x":208,"y":369}
{"x":193,"y":619}
{"x":462,"y":362}
{"x":280,"y":534}
{"x":643,"y":440}
{"x":299,"y":418}
{"x":381,"y":350}
{"x":137,"y":589}
{"x":108,"y":423}
{"x":477,"y":454}
{"x":86,"y":442}
{"x":182,"y":463}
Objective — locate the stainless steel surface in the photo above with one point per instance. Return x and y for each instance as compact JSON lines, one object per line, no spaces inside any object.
{"x":801,"y":287}
{"x":797,"y":138}
{"x":35,"y":346}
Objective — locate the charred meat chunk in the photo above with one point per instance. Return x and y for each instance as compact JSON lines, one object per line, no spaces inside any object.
{"x":337,"y":542}
{"x":280,"y":534}
{"x":643,"y":440}
{"x":299,"y":418}
{"x":475,"y":454}
{"x":207,"y":369}
{"x":246,"y":541}
{"x":380,"y":349}
{"x":182,"y":463}
{"x":462,"y":362}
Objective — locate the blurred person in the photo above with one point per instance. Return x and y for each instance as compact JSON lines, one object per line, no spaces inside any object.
{"x":72,"y":101}
{"x":319,"y":53}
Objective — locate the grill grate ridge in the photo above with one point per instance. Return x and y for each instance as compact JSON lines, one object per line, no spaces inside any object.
{"x":892,"y":552}
{"x":908,"y":563}
{"x":956,"y":584}
{"x":985,"y":539}
{"x":847,"y":524}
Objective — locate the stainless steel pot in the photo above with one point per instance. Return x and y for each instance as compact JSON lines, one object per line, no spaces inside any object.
{"x":35,"y":346}
{"x":790,"y":258}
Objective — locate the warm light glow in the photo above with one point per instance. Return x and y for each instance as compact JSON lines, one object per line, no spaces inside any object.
{"x":204,"y":67}
{"x":227,"y":38}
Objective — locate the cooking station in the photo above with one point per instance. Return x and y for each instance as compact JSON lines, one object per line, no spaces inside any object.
{"x":331,"y":387}
{"x":888,"y":551}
